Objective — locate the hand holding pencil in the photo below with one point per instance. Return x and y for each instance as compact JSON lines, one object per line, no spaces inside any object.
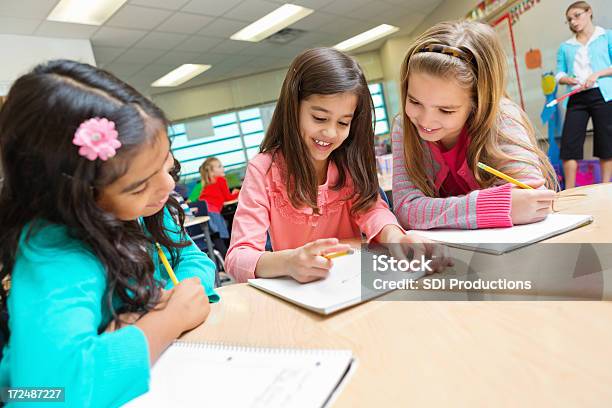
{"x":528,"y":203}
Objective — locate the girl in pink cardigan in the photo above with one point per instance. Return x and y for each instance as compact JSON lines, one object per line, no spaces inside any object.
{"x":455,"y":114}
{"x":314,"y":181}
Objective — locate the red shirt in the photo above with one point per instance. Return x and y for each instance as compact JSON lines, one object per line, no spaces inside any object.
{"x":216,"y":194}
{"x":454,"y":157}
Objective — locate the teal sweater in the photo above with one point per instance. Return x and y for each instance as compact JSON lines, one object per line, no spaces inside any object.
{"x":56,"y":308}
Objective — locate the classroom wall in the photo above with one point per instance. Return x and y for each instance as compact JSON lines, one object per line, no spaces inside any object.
{"x":393,"y":51}
{"x":21,"y":53}
{"x":241,"y":92}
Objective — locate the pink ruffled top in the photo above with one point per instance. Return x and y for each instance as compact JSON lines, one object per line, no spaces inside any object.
{"x":264,"y":206}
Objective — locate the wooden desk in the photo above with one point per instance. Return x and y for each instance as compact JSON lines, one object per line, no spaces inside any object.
{"x":191,"y":221}
{"x":598,"y":203}
{"x":436,"y":353}
{"x":468,"y":354}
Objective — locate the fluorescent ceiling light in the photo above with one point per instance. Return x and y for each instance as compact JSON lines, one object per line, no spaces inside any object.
{"x":366,"y":37}
{"x":181,"y":75}
{"x":93,"y":12}
{"x":269,"y":24}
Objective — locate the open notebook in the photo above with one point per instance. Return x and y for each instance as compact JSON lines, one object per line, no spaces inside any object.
{"x":500,"y":240}
{"x":212,"y":375}
{"x":341,"y":289}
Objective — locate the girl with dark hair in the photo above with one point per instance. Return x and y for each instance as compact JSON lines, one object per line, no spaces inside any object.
{"x":88,"y":173}
{"x":314,"y":181}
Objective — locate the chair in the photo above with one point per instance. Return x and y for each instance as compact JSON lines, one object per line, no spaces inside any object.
{"x":197,"y":235}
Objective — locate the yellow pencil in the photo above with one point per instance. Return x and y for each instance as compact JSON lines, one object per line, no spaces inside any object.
{"x":341,"y":253}
{"x":503,"y":176}
{"x":167,"y":264}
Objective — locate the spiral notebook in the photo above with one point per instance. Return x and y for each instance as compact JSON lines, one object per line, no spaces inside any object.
{"x":191,"y":374}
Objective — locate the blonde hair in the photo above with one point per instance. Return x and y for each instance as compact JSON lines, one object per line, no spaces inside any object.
{"x":206,"y":171}
{"x":478,"y":64}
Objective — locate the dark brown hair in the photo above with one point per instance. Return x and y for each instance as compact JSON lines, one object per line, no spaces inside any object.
{"x":37,"y":123}
{"x":324,"y":71}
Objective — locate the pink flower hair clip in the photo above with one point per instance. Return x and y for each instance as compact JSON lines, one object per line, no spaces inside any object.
{"x":98,"y":139}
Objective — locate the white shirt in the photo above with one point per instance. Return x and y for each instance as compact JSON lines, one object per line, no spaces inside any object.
{"x":582,"y":65}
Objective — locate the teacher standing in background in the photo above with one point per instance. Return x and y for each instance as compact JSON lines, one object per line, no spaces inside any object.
{"x":585,"y":61}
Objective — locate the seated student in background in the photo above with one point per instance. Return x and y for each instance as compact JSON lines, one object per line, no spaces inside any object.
{"x":216,"y":192}
{"x":314,"y":181}
{"x":87,"y":305}
{"x":456,"y":114}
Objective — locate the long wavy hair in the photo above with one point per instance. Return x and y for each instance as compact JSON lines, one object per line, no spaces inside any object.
{"x":485,"y":79}
{"x":46,"y":181}
{"x":324,"y":71}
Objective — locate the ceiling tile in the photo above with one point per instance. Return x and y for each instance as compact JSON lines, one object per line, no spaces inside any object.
{"x":178,"y":58}
{"x":161,"y":41}
{"x":26,"y":8}
{"x":210,"y":7}
{"x":231,"y":46}
{"x":209,"y":58}
{"x":422,"y":6}
{"x":198,"y":43}
{"x":222,"y":28}
{"x":105,"y":55}
{"x":314,"y":21}
{"x":251,"y":10}
{"x":311,"y":4}
{"x":313,"y":38}
{"x":65,"y":30}
{"x":138,"y":17}
{"x":14,"y":25}
{"x":116,"y":37}
{"x":343,"y":7}
{"x":185,"y":23}
{"x":124,"y":70}
{"x":346,"y":27}
{"x":164,"y":4}
{"x":371,"y":11}
{"x":139,"y":56}
{"x":151,"y":73}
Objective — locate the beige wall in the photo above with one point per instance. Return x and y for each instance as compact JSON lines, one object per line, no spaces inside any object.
{"x":23,"y":52}
{"x":393,"y":51}
{"x":242,"y":92}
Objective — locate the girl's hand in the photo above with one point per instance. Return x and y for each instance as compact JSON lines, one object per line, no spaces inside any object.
{"x":530,"y":205}
{"x":235,"y":191}
{"x":188,"y":304}
{"x":413,"y":246}
{"x":569,"y":81}
{"x":590,"y":81}
{"x":307,"y":264}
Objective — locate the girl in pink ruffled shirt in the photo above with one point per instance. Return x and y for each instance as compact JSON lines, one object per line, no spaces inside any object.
{"x":314,"y":181}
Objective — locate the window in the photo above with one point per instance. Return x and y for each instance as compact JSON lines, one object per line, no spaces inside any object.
{"x":234,"y":137}
{"x":381,"y":126}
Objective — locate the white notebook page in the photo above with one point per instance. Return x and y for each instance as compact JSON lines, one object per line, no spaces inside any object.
{"x":208,"y":375}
